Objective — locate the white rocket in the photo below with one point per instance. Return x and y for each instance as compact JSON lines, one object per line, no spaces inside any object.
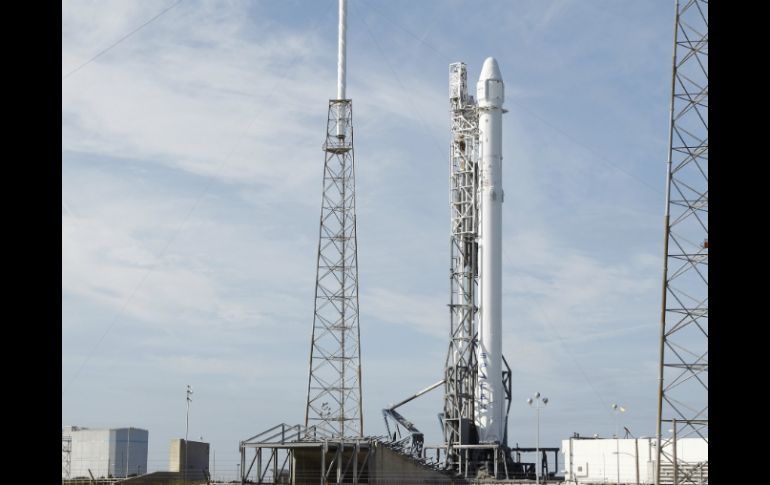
{"x":490,"y":396}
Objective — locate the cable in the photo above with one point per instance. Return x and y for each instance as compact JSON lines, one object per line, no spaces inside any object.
{"x":120,"y":40}
{"x":419,"y":39}
{"x":586,"y":147}
{"x":181,"y":226}
{"x":413,"y":105}
{"x":545,"y":319}
{"x":530,"y":112}
{"x":565,"y":347}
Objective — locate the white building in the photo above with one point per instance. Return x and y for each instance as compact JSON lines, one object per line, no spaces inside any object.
{"x":116,"y":452}
{"x":598,"y":461}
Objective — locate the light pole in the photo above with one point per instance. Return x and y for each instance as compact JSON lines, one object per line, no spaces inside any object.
{"x":635,"y":457}
{"x":187,"y":429}
{"x":128,"y":449}
{"x":537,"y":400}
{"x":616,"y":409}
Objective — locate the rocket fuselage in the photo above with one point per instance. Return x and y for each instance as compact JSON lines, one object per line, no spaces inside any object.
{"x":490,"y":395}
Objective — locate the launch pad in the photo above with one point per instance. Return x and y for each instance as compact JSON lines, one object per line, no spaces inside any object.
{"x":330,"y":447}
{"x":477,"y":377}
{"x":299,"y":455}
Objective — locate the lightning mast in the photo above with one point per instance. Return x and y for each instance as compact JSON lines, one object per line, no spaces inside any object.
{"x":334,"y":377}
{"x":683,"y":367}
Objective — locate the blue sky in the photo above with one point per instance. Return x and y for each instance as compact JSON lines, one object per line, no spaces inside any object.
{"x":191,"y":180}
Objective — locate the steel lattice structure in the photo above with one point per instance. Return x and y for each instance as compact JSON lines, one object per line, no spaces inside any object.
{"x":334,"y":380}
{"x":66,"y":456}
{"x":461,"y":364}
{"x":683,"y":370}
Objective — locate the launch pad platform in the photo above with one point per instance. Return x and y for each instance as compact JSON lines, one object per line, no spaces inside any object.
{"x":299,"y":455}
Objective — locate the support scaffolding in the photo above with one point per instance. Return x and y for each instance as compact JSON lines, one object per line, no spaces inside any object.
{"x":299,"y":455}
{"x":461,"y":368}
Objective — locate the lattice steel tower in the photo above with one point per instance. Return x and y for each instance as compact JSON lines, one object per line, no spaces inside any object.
{"x":460,"y":375}
{"x":683,"y":371}
{"x":334,"y":378}
{"x":66,"y":456}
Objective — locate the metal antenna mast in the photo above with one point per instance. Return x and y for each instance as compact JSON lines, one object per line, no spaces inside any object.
{"x":683,"y":370}
{"x":460,"y":372}
{"x":334,"y":378}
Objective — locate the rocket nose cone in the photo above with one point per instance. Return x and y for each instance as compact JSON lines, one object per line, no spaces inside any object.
{"x":490,"y":70}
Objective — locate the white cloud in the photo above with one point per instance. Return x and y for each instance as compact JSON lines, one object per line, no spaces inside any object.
{"x":426,"y":313}
{"x":550,"y":282}
{"x":113,"y":254}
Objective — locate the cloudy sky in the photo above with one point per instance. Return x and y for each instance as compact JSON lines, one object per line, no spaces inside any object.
{"x":191,"y":184}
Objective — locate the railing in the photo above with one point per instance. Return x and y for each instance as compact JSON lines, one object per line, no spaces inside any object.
{"x":687,"y":473}
{"x":88,"y":481}
{"x":286,"y":432}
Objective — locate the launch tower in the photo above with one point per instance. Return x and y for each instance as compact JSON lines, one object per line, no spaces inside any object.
{"x":477,"y":391}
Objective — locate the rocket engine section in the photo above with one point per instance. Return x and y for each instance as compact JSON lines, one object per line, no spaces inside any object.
{"x":490,"y":394}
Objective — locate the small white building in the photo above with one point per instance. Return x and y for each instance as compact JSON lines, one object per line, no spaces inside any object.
{"x":598,"y":461}
{"x":116,"y":452}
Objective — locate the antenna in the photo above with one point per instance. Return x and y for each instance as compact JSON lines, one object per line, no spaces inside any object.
{"x":341,"y":50}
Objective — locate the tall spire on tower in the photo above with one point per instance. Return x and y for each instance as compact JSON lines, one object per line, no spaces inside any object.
{"x":334,"y":378}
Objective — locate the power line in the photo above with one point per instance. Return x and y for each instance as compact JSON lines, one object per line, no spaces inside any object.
{"x":545,"y":319}
{"x":181,"y":226}
{"x":574,"y":140}
{"x":600,"y":157}
{"x":419,"y":39}
{"x":565,"y":347}
{"x":104,"y":51}
{"x":406,"y":91}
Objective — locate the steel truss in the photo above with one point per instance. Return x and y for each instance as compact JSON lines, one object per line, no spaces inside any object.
{"x":334,"y":378}
{"x":66,"y":457}
{"x":683,"y":366}
{"x":461,"y":364}
{"x":298,"y":455}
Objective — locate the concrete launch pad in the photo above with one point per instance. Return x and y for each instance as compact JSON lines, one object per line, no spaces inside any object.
{"x":298,"y":455}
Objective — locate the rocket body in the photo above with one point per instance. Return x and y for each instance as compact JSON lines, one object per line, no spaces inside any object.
{"x":490,"y":395}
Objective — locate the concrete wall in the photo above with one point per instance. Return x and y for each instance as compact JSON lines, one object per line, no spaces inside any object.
{"x":597,"y":460}
{"x":197,"y":455}
{"x":388,"y":467}
{"x":307,"y":465}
